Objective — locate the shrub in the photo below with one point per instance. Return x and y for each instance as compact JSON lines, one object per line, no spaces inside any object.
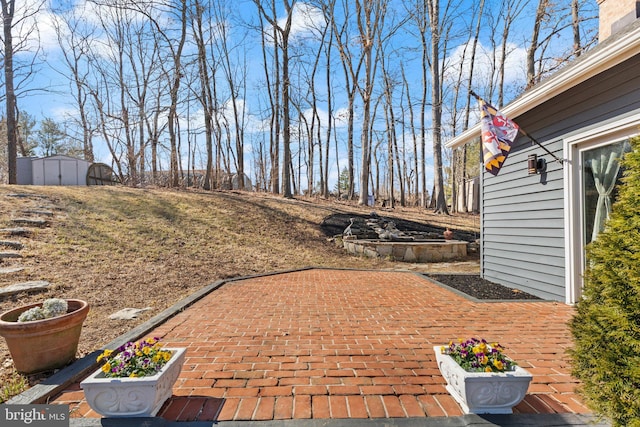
{"x":606,"y":327}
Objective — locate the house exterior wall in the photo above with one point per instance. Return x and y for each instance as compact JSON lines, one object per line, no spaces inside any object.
{"x":523,"y":216}
{"x":522,"y":224}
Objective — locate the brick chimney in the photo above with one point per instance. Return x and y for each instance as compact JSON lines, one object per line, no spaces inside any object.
{"x":615,"y":15}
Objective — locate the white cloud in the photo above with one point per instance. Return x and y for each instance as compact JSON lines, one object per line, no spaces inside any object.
{"x":484,"y":65}
{"x":305,"y":21}
{"x":340,"y":117}
{"x":31,"y":29}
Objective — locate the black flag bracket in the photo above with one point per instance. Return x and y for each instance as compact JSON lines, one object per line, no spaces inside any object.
{"x":523,"y":132}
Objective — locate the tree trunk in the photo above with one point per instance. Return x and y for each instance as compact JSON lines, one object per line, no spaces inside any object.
{"x":575,"y":24}
{"x":531,"y":51}
{"x":436,"y":107}
{"x":8,"y":9}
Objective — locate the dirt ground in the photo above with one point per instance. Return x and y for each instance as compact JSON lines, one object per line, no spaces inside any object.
{"x":120,"y":247}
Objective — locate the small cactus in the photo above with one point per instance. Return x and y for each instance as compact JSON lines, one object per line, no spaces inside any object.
{"x":51,"y":307}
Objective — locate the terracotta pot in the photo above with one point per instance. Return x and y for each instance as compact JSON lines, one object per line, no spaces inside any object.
{"x":43,"y":345}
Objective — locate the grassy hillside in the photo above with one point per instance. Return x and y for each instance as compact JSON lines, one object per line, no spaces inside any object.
{"x":119,"y":247}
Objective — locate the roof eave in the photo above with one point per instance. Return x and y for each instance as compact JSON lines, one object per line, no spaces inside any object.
{"x":609,"y":54}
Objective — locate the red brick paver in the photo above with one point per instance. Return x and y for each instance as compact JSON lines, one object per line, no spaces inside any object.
{"x":348,"y":344}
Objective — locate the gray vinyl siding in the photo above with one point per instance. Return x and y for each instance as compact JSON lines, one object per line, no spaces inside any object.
{"x":523,"y":225}
{"x":522,"y":216}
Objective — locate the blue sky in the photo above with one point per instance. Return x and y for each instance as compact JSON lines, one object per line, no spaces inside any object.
{"x":49,"y":94}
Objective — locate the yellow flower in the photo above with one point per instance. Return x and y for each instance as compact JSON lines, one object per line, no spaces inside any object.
{"x":104,"y":354}
{"x":146,"y":351}
{"x":480,"y":348}
{"x":138,"y":353}
{"x":132,"y":375}
{"x":498,"y":364}
{"x":166,"y":356}
{"x":443,"y":349}
{"x":487,"y":369}
{"x":106,"y":367}
{"x":150,"y":341}
{"x":484,"y":360}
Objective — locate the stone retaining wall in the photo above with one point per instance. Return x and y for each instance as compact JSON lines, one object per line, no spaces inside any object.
{"x":415,"y":251}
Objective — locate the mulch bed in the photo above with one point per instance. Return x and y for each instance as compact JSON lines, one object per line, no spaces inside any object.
{"x":480,"y":288}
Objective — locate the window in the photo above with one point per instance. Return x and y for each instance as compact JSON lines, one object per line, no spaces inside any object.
{"x":601,"y":173}
{"x":591,"y":172}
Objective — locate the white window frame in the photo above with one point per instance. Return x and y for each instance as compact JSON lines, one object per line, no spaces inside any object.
{"x":574,"y":145}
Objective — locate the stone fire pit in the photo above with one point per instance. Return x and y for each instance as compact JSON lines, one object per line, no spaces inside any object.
{"x":409,"y":251}
{"x":376,"y":236}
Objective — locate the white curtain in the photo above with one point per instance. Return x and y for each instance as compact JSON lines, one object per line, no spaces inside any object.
{"x":605,"y":166}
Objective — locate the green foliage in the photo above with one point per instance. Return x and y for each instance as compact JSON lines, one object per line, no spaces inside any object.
{"x":12,"y":386}
{"x":50,"y":137}
{"x":27,"y":142}
{"x":606,"y":327}
{"x":342,"y":186}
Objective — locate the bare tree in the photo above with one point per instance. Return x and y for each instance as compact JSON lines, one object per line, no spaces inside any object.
{"x":421,"y":18}
{"x":169,"y":55}
{"x":575,"y":24}
{"x":121,"y":93}
{"x":370,"y":17}
{"x":330,"y":119}
{"x":21,"y":25}
{"x":388,"y":87}
{"x":281,"y":42}
{"x":307,"y":103}
{"x":73,"y":36}
{"x":510,"y":11}
{"x":174,"y":81}
{"x":551,"y":20}
{"x":234,"y":70}
{"x":316,"y":123}
{"x":172,"y":32}
{"x":273,"y":91}
{"x":204,"y":95}
{"x":464,"y":79}
{"x":435,"y":25}
{"x":414,"y":136}
{"x":541,"y":13}
{"x":351,"y":66}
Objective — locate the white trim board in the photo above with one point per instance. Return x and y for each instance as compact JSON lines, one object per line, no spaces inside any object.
{"x":573,"y":145}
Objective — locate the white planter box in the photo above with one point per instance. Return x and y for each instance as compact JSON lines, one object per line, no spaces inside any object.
{"x":133,"y":397}
{"x":483,"y":392}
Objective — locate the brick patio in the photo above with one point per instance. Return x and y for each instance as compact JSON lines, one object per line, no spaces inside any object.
{"x":347,"y":344}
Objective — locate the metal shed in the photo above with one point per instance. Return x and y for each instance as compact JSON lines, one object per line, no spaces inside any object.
{"x":53,"y":170}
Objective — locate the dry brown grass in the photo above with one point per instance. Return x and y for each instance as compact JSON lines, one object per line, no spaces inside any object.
{"x":119,"y":247}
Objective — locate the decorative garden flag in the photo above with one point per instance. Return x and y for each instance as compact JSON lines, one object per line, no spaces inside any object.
{"x":498,"y":133}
